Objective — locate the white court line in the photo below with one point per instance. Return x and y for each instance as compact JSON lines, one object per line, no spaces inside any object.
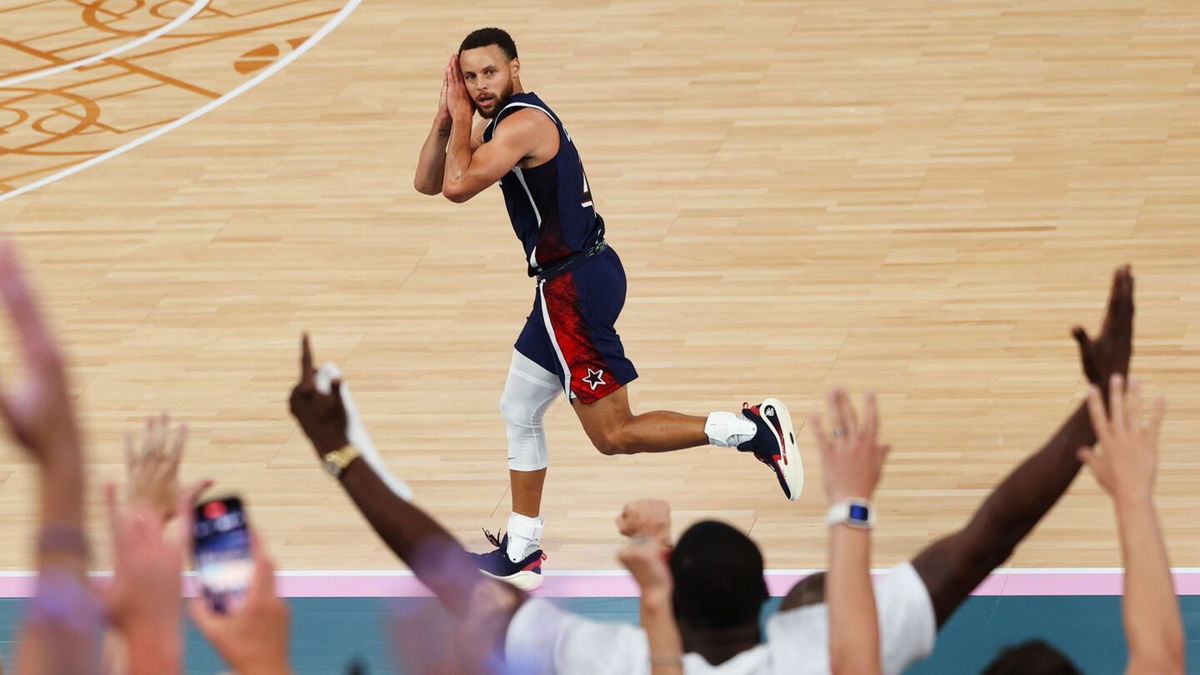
{"x":46,"y":72}
{"x":198,"y":112}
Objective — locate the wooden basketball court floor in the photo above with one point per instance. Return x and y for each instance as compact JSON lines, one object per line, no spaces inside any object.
{"x":920,"y":197}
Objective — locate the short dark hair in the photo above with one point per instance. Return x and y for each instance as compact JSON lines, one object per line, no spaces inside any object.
{"x":1034,"y":657}
{"x":490,"y":36}
{"x":810,"y":591}
{"x":718,"y":576}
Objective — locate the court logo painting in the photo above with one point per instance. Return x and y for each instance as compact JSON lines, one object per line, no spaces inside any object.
{"x":263,"y":56}
{"x":52,"y":122}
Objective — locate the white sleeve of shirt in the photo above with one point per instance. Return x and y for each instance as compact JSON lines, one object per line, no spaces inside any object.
{"x":798,"y":639}
{"x":543,"y":640}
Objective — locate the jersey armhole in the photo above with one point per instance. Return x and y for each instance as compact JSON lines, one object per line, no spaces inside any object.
{"x":553,"y":120}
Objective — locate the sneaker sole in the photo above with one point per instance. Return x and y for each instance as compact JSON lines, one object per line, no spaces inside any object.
{"x":793,"y":466}
{"x":524,"y":580}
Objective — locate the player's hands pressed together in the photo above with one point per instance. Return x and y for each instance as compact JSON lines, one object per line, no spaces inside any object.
{"x":1125,"y":461}
{"x":443,"y":119}
{"x":851,"y":457}
{"x":321,"y":416}
{"x":646,"y":518}
{"x":152,"y":465}
{"x":458,"y":99}
{"x":1109,"y":353}
{"x":253,"y":636}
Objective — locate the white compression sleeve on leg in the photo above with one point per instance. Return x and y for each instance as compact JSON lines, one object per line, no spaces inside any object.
{"x":528,"y":393}
{"x":357,"y":433}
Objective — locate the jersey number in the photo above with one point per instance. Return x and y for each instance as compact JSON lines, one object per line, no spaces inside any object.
{"x":587,"y":191}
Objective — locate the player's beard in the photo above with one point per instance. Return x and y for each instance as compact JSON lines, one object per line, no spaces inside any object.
{"x":498,"y":102}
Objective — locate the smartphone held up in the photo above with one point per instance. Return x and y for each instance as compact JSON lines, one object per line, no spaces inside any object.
{"x":224,"y":561}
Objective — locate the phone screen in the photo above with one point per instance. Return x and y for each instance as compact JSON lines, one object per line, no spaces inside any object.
{"x":223,"y":559}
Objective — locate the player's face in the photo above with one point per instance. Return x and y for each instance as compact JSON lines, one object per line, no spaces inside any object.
{"x":489,"y":76}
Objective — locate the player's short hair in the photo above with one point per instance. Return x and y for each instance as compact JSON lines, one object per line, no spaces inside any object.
{"x":1034,"y":657}
{"x":718,"y":576}
{"x":490,"y":36}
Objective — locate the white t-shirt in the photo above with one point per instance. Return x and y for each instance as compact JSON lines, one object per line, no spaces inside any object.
{"x":545,"y":639}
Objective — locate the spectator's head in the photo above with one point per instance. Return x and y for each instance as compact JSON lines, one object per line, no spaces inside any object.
{"x":811,"y":591}
{"x":1031,"y":658}
{"x":718,"y":575}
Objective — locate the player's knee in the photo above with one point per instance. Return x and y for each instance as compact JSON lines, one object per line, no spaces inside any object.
{"x":512,"y":409}
{"x":523,"y":405}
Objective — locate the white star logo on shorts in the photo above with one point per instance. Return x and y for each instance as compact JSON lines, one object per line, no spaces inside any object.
{"x":594,"y":378}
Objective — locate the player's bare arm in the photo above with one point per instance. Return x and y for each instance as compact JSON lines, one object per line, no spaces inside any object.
{"x":526,"y":136}
{"x":432,"y":162}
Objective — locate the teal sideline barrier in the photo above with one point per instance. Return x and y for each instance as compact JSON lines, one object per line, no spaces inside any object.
{"x":328,"y":634}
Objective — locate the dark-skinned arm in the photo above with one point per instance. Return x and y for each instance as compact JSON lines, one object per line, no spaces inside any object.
{"x":953,"y":566}
{"x":432,"y":553}
{"x":434,"y":556}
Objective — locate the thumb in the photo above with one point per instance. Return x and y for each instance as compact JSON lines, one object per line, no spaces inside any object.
{"x":1087,"y":456}
{"x":16,"y":426}
{"x":1081,"y":337}
{"x":1085,"y":354}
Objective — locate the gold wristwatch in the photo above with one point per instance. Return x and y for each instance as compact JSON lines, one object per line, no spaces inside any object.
{"x":337,"y":461}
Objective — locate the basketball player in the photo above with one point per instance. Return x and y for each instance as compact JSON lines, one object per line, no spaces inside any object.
{"x":717,"y":571}
{"x":569,"y":342}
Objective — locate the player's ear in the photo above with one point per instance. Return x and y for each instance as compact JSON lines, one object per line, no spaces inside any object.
{"x":515,"y":67}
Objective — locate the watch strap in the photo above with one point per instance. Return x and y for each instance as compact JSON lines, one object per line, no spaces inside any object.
{"x":337,"y":461}
{"x":854,"y":512}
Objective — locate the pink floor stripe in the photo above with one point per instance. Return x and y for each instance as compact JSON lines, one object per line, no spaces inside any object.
{"x":369,"y":585}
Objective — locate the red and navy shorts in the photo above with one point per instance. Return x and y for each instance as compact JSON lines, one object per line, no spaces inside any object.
{"x":572,"y":329}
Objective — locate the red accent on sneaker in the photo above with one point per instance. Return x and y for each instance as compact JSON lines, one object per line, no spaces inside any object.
{"x":535,"y":564}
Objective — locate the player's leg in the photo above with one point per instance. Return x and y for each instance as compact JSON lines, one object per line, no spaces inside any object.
{"x":581,"y":309}
{"x":529,"y":391}
{"x":615,"y":430}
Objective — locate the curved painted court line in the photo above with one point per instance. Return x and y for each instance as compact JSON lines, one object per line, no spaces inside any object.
{"x":156,"y":33}
{"x":199,"y":112}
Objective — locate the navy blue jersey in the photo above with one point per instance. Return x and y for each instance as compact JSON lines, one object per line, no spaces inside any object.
{"x":550,"y":205}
